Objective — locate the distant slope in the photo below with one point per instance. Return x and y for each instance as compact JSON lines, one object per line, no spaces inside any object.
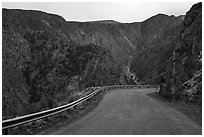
{"x":153,"y":56}
{"x":105,"y":21}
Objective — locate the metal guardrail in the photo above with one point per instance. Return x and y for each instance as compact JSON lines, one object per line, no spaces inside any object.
{"x":43,"y":114}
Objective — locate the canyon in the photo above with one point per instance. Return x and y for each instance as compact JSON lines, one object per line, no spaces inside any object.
{"x":47,"y":60}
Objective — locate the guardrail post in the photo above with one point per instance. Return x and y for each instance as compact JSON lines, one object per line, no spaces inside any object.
{"x":46,"y":119}
{"x":43,"y":114}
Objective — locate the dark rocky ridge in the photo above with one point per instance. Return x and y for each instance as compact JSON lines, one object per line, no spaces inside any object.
{"x":177,"y":65}
{"x":183,"y":78}
{"x":46,"y":59}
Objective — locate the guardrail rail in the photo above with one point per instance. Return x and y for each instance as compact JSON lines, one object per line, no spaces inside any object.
{"x":6,"y":124}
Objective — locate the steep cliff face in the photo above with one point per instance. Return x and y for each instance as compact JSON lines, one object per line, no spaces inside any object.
{"x":43,"y":67}
{"x":183,"y":77}
{"x":155,"y":46}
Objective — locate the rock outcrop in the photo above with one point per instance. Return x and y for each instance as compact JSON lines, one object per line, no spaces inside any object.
{"x":184,"y":73}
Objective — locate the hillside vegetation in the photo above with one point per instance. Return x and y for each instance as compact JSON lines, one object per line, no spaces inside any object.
{"x":48,"y":61}
{"x":43,"y":69}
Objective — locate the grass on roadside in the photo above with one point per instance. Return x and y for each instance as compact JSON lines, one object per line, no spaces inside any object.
{"x":193,"y":111}
{"x":43,"y":126}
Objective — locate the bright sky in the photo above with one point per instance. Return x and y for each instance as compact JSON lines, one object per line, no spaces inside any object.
{"x":91,"y":11}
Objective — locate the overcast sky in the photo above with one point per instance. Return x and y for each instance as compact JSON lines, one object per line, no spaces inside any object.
{"x":90,"y":11}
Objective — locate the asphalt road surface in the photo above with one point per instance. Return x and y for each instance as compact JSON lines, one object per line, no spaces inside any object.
{"x":131,"y":112}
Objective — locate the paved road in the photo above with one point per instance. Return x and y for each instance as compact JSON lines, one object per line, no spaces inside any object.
{"x":127,"y":112}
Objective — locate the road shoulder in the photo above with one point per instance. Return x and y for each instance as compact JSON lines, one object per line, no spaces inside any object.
{"x":190,"y":110}
{"x":76,"y":114}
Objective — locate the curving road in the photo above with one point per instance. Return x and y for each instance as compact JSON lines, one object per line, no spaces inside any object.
{"x":131,"y":112}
